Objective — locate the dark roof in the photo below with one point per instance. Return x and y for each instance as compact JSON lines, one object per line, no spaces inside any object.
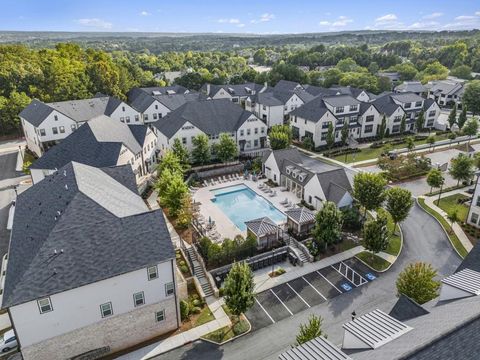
{"x":406,"y":97}
{"x":234,"y":89}
{"x":406,"y":309}
{"x":335,"y":184}
{"x":301,"y":215}
{"x":385,"y":104}
{"x":36,"y":112}
{"x":315,"y":349}
{"x":80,"y":226}
{"x":139,"y":99}
{"x":427,"y":103}
{"x":319,"y":91}
{"x":348,"y":90}
{"x":471,"y":261}
{"x":154,"y":90}
{"x":341,"y":100}
{"x":285,"y":85}
{"x":312,"y":110}
{"x":291,"y":154}
{"x":268,"y":99}
{"x":173,"y":102}
{"x":139,"y":133}
{"x":261,"y":226}
{"x":210,"y":116}
{"x":411,"y":86}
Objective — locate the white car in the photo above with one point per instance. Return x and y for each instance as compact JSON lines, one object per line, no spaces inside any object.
{"x":8,"y":341}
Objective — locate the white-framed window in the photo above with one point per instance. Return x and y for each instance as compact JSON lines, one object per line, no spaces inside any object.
{"x":122,"y":119}
{"x":184,"y":140}
{"x":262,"y":130}
{"x":152,"y":272}
{"x":45,"y":305}
{"x":55,"y":117}
{"x":137,"y":117}
{"x":264,"y":107}
{"x":73,"y":127}
{"x":160,"y":315}
{"x":169,"y":289}
{"x":54,"y":130}
{"x":145,"y":117}
{"x":123,"y":108}
{"x":353,"y":107}
{"x":255,"y":131}
{"x":338,"y":109}
{"x":138,"y":299}
{"x":62,"y":129}
{"x":155,"y":116}
{"x":242,"y":132}
{"x":368,"y":128}
{"x":248,"y":131}
{"x":474,"y":218}
{"x":156,"y":107}
{"x":127,"y":119}
{"x":42,"y":132}
{"x":106,"y":309}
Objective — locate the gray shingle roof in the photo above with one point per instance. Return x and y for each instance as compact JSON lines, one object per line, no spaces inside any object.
{"x":447,"y":87}
{"x":335,"y":184}
{"x":268,"y":99}
{"x":301,"y":215}
{"x":407,"y":97}
{"x":106,"y":129}
{"x":238,"y":89}
{"x":411,"y":86}
{"x":316,"y":349}
{"x":385,"y":104}
{"x":65,"y":234}
{"x":472,"y":260}
{"x":348,"y":90}
{"x":319,"y":91}
{"x":287,"y":86}
{"x":173,"y":102}
{"x":36,"y":112}
{"x":406,"y":309}
{"x":312,"y":110}
{"x":341,"y":100}
{"x":210,"y":116}
{"x":261,"y":226}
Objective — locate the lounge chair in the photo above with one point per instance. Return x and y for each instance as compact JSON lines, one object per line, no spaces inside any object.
{"x":273,"y":193}
{"x":283,"y":188}
{"x":284,"y":202}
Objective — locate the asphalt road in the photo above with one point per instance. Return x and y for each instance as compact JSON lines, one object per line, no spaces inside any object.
{"x":424,"y":241}
{"x":7,"y":166}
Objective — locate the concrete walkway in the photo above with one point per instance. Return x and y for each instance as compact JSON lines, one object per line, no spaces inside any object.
{"x":221,"y":320}
{"x":153,"y":205}
{"x":457,"y":229}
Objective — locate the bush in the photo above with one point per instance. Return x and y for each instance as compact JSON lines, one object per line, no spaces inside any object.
{"x":196,"y":302}
{"x":352,"y":220}
{"x":184,"y":310}
{"x":196,"y":310}
{"x":221,"y":291}
{"x":182,"y":263}
{"x":184,"y":269}
{"x":178,"y":255}
{"x":240,"y":327}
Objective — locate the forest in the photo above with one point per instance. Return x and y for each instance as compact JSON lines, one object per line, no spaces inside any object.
{"x":79,"y":68}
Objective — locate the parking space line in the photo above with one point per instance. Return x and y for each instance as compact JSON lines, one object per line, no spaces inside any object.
{"x":319,"y":273}
{"x":314,"y":288}
{"x":362,"y":279}
{"x":344,"y":276}
{"x":281,"y":301}
{"x":258,"y":302}
{"x":301,"y":298}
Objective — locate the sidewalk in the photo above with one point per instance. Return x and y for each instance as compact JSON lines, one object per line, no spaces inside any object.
{"x":221,"y":320}
{"x":457,"y":229}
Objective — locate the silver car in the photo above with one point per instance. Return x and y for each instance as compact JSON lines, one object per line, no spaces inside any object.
{"x":8,"y":341}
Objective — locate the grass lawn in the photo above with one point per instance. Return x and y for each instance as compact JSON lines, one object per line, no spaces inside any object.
{"x":453,"y":238}
{"x":204,"y":317}
{"x":449,"y":204}
{"x":228,"y":332}
{"x":369,"y":153}
{"x":28,"y":159}
{"x":395,"y":242}
{"x":374,"y":261}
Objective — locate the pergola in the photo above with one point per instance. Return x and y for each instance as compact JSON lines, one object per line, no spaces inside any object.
{"x":300,"y":220}
{"x":264,"y":230}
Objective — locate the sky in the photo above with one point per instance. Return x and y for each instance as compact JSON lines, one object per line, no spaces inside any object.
{"x":254,"y":16}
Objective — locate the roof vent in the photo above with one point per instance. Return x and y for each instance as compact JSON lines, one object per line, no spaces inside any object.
{"x":66,"y":187}
{"x":462,"y":284}
{"x":156,"y":92}
{"x":64,"y":172}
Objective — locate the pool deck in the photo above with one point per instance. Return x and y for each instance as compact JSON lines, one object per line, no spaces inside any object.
{"x":225,"y":226}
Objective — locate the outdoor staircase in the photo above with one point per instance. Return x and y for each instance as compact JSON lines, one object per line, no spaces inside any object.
{"x":199,"y":272}
{"x":294,"y":244}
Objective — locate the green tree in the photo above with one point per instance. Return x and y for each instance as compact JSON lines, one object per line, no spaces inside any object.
{"x":328,"y":225}
{"x":476,"y":160}
{"x":410,"y":141}
{"x":369,"y":190}
{"x":174,"y":193}
{"x":462,"y":72}
{"x":471,"y":96}
{"x":462,"y":119}
{"x":420,"y":121}
{"x":382,"y":128}
{"x":181,"y":152}
{"x":226,"y":148}
{"x":171,"y":162}
{"x":310,"y":330}
{"x":470,"y":129}
{"x":344,"y":133}
{"x":201,"y":150}
{"x":407,"y":71}
{"x":453,"y":217}
{"x":452,"y":117}
{"x":308,"y":143}
{"x":417,"y":281}
{"x":399,"y":201}
{"x":330,"y":136}
{"x":238,"y":288}
{"x":431,"y":141}
{"x":403,"y":125}
{"x":375,"y":233}
{"x":435,"y":179}
{"x":280,"y":136}
{"x":461,"y":168}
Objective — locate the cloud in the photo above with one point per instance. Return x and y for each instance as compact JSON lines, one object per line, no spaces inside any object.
{"x":465,"y":18}
{"x":229,"y":21}
{"x":419,"y":25}
{"x":386,"y":18}
{"x":324,"y":23}
{"x":388,"y":21}
{"x":477,"y":13}
{"x":432,"y":16}
{"x":240,"y":25}
{"x":145,"y":13}
{"x":95,"y":23}
{"x":465,"y":22}
{"x":339,"y":22}
{"x":264,"y":18}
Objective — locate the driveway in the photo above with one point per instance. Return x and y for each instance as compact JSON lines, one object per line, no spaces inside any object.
{"x":7,"y":166}
{"x":424,"y":241}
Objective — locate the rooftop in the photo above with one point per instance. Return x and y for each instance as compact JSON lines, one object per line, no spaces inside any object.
{"x":316,"y":349}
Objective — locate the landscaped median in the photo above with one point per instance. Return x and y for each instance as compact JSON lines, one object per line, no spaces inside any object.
{"x":238,"y":327}
{"x":454,"y":240}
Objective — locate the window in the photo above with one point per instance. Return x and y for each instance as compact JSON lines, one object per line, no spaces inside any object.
{"x":353,"y":107}
{"x":55,"y":117}
{"x":106,"y":309}
{"x":122,"y":119}
{"x":152,"y":272}
{"x":309,"y":199}
{"x":264,"y":107}
{"x":418,"y":104}
{"x":54,"y":130}
{"x":138,"y":299}
{"x":159,"y":115}
{"x":73,"y":127}
{"x":242,"y":132}
{"x":248,"y":131}
{"x":395,"y":128}
{"x":262,"y":130}
{"x":127,"y":119}
{"x":369,"y":118}
{"x":62,"y":129}
{"x":137,"y":117}
{"x":145,"y":117}
{"x":155,"y":116}
{"x":397,"y":119}
{"x":474,"y":218}
{"x":184,"y":140}
{"x":160,"y":315}
{"x":123,"y":108}
{"x":431,"y":113}
{"x":478,"y":201}
{"x":44,"y":305}
{"x":339,"y":109}
{"x":156,"y":107}
{"x":256,"y":131}
{"x":169,"y":289}
{"x":255,"y":143}
{"x":408,"y":105}
{"x":368,"y":129}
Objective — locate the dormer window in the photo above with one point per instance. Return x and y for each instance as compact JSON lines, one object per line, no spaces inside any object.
{"x":339,"y":110}
{"x":353,"y":107}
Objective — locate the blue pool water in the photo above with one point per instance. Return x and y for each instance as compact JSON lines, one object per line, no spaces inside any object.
{"x":242,"y":204}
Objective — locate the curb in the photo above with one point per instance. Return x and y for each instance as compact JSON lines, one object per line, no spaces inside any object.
{"x":443,"y":228}
{"x":229,"y":340}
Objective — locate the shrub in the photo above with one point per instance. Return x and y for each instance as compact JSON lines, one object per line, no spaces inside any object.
{"x":178,"y":255}
{"x":182,"y":263}
{"x":184,"y":269}
{"x":221,"y":291}
{"x":196,"y":302}
{"x":184,"y":310}
{"x":351,"y":219}
{"x":196,"y":310}
{"x":240,"y":327}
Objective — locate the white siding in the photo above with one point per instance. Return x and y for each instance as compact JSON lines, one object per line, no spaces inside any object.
{"x":126,"y":114}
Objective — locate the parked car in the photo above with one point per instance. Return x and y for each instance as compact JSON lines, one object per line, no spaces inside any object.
{"x":8,"y":341}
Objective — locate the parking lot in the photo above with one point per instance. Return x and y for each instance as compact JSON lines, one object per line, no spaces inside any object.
{"x":312,"y":289}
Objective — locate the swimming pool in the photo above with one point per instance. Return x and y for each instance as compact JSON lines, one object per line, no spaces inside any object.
{"x":240,"y":204}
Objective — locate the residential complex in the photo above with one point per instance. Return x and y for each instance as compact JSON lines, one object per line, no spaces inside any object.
{"x":447,"y":92}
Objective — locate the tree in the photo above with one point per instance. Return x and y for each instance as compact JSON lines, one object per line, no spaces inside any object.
{"x":410,"y":140}
{"x":328,"y":225}
{"x":417,"y":282}
{"x":382,"y":128}
{"x":201,"y":149}
{"x":280,"y":137}
{"x":171,"y":162}
{"x":369,"y":190}
{"x":435,"y":179}
{"x":308,"y":143}
{"x":399,"y":201}
{"x":330,"y":136}
{"x":462,"y":119}
{"x":452,"y":117}
{"x":238,"y":288}
{"x":403,"y":125}
{"x":476,"y":160}
{"x":344,"y":133}
{"x":181,"y":152}
{"x":375,"y":233}
{"x":226,"y":148}
{"x":431,"y":141}
{"x":311,"y":330}
{"x":420,"y":121}
{"x":470,"y":129}
{"x":453,"y":217}
{"x":461,"y":168}
{"x":471,"y":96}
{"x":174,"y":193}
{"x":462,"y":72}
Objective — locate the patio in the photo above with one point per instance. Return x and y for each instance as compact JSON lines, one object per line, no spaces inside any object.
{"x":222,"y":225}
